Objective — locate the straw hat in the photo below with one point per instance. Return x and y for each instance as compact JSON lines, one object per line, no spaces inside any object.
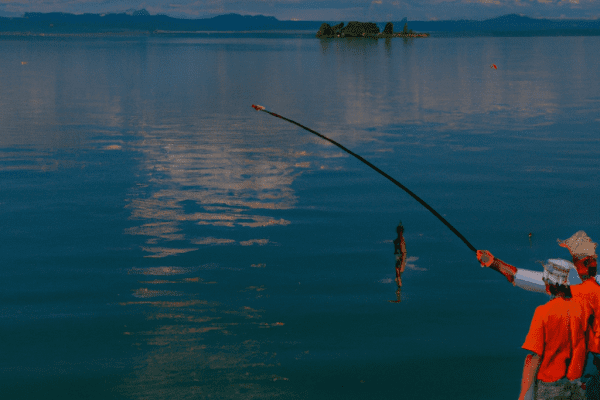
{"x":579,"y":245}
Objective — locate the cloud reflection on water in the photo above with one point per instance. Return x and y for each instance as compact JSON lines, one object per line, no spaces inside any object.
{"x":196,"y":191}
{"x":446,"y":85}
{"x":204,"y":184}
{"x":199,"y":348}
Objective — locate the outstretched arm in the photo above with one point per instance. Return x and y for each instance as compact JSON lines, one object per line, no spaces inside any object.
{"x":488,"y":260}
{"x":523,"y":278}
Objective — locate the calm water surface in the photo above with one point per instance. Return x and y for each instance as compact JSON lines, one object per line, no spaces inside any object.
{"x":161,"y":239}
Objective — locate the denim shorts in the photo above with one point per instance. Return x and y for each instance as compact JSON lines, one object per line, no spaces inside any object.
{"x":562,"y":389}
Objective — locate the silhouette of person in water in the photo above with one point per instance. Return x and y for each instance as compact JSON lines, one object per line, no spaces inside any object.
{"x":400,"y":252}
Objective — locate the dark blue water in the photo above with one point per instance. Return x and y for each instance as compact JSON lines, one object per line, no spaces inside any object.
{"x":161,"y":239}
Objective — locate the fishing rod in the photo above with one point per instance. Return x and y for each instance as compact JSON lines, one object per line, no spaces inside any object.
{"x":401,"y":186}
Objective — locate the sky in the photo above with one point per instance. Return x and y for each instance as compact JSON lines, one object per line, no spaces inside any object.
{"x":319,"y":10}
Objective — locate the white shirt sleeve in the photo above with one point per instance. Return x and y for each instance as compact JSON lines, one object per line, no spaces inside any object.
{"x":532,"y":280}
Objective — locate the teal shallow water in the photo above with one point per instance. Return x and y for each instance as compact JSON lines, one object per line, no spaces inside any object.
{"x":161,"y":239}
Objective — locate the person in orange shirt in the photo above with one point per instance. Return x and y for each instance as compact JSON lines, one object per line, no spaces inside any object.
{"x":556,"y":340}
{"x":583,"y":252}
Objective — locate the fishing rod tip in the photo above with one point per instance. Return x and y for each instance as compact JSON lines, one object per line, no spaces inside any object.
{"x":257,"y":107}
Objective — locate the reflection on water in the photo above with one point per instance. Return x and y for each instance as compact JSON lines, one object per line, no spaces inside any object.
{"x":447,"y":84}
{"x":198,"y":347}
{"x":196,"y":183}
{"x":398,"y":295}
{"x":198,"y":190}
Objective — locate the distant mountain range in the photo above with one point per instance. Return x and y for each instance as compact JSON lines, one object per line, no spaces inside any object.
{"x":142,"y":21}
{"x":508,"y":23}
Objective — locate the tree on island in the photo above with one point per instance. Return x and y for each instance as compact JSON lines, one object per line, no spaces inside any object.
{"x":364,"y":29}
{"x":357,"y":29}
{"x":389,"y":29}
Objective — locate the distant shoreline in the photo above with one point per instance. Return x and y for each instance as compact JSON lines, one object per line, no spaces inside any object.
{"x":292,"y":34}
{"x":278,"y":34}
{"x":143,"y":23}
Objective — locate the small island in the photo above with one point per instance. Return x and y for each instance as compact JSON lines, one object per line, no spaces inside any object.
{"x":365,"y":29}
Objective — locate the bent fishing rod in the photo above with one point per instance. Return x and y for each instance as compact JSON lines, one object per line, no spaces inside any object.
{"x":394,"y":181}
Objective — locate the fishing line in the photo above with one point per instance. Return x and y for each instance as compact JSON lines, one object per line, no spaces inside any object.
{"x":401,"y":186}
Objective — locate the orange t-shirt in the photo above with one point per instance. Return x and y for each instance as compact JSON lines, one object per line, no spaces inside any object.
{"x":557,"y":334}
{"x":590,"y":291}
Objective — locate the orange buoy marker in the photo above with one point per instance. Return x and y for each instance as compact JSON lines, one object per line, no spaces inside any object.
{"x":493,"y":66}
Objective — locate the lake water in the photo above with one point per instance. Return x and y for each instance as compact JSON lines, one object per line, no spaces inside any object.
{"x":163,"y":240}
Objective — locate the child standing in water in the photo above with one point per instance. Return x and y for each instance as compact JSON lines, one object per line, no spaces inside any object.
{"x":400,"y":252}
